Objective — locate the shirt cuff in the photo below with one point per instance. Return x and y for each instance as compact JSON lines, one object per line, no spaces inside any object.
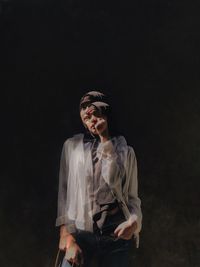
{"x":70,"y":226}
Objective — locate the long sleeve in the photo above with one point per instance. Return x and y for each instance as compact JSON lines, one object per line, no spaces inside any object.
{"x":62,"y":217}
{"x":113,"y":156}
{"x":134,"y":202}
{"x":114,"y":173}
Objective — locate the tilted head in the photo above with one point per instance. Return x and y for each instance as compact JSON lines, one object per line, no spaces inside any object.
{"x":93,"y":109}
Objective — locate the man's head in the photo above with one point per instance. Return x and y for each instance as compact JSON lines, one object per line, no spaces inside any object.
{"x":94,"y":111}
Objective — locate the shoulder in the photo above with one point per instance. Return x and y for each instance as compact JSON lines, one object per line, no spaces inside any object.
{"x":131,"y":157}
{"x":73,"y":141}
{"x":122,"y":143}
{"x":131,"y":151}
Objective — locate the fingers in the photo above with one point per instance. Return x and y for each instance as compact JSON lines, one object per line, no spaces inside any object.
{"x":118,"y":229}
{"x":76,"y":258}
{"x":124,"y":232}
{"x":79,"y":258}
{"x":99,"y":124}
{"x":119,"y":232}
{"x":120,"y":226}
{"x":125,"y":235}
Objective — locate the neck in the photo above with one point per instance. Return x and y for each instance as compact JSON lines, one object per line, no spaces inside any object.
{"x":105,"y":136}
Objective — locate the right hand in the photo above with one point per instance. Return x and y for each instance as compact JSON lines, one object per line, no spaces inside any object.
{"x":73,"y":251}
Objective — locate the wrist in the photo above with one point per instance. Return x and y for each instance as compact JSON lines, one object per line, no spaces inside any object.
{"x":64,"y":233}
{"x":133,"y":219}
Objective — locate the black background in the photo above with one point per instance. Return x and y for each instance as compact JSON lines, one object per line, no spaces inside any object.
{"x":145,"y":56}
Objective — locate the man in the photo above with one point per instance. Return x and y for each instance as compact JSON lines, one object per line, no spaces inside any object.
{"x":99,"y":210}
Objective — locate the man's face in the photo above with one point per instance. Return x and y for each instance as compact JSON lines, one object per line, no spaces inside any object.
{"x":93,"y":119}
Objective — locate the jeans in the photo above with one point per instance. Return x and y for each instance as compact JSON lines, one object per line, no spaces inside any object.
{"x":103,"y":251}
{"x":65,"y":263}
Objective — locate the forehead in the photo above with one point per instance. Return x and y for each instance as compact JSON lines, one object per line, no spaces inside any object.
{"x":91,"y":110}
{"x":85,"y":104}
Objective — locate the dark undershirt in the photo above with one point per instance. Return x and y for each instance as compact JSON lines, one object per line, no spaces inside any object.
{"x":100,"y":194}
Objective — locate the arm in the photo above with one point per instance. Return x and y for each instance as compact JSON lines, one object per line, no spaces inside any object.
{"x":133,"y":225}
{"x":113,"y":172}
{"x":62,"y":218}
{"x":134,"y":202}
{"x":67,"y":242}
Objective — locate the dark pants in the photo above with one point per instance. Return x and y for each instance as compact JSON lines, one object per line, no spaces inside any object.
{"x":104,"y":251}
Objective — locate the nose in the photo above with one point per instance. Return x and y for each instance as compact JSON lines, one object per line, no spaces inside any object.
{"x":93,"y":119}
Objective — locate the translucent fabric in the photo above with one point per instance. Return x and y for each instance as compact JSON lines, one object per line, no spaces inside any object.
{"x":119,"y":170}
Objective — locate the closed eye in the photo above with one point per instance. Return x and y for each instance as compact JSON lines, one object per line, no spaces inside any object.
{"x":86,"y":118}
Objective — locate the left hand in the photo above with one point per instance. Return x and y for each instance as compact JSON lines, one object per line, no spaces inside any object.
{"x":126,"y":230}
{"x":101,"y":126}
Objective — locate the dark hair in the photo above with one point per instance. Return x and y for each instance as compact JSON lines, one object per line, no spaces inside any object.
{"x":101,"y":102}
{"x":91,"y":97}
